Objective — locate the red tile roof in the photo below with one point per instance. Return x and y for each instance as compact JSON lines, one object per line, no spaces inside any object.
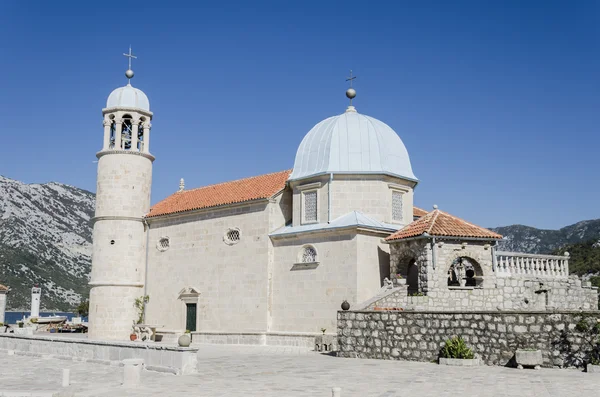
{"x":440,"y":223}
{"x":242,"y":190}
{"x":418,"y":212}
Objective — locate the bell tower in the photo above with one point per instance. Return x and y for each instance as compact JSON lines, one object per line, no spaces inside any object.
{"x":122,"y":200}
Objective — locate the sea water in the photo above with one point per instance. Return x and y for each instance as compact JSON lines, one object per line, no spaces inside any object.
{"x":13,"y":317}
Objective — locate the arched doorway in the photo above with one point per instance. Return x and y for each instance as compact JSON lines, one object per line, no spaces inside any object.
{"x":412,"y":277}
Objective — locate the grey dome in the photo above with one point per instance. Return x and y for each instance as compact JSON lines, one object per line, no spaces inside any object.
{"x":352,"y":143}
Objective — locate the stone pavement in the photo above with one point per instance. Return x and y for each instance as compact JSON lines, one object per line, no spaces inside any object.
{"x":288,"y":372}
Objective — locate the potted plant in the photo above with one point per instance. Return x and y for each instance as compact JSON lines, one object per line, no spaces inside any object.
{"x":140,"y":305}
{"x":323,"y":330}
{"x":400,"y":280}
{"x":456,"y":352}
{"x":185,"y":339}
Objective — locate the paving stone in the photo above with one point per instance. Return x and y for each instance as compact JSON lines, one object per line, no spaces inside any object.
{"x":236,"y":371}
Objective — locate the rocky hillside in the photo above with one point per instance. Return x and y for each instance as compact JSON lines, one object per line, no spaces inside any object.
{"x":45,"y":239}
{"x":521,"y":238}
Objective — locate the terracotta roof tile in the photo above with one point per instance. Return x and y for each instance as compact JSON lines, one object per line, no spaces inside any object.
{"x":242,"y":190}
{"x":440,"y":223}
{"x":419,"y":212}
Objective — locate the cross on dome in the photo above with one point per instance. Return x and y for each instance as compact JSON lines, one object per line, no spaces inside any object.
{"x":129,"y":72}
{"x":351,"y":92}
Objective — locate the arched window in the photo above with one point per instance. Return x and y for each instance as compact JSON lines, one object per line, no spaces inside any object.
{"x":464,"y":272}
{"x":140,"y":145}
{"x":309,"y":254}
{"x":113,"y":129}
{"x":126,"y":132}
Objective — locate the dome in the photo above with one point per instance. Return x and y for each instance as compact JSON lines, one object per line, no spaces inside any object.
{"x":352,"y":143}
{"x":128,"y":97}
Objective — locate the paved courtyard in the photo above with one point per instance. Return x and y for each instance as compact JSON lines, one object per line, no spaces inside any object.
{"x":286,"y":372}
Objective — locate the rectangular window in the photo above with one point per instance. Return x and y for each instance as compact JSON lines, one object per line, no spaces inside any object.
{"x":397,"y":206}
{"x":310,"y":206}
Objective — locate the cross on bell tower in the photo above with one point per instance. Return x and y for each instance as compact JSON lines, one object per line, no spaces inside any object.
{"x":129,"y":72}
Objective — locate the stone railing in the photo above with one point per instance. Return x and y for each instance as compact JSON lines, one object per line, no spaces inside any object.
{"x":512,"y":264}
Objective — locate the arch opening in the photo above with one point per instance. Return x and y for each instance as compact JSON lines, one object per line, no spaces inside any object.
{"x":465,"y":272}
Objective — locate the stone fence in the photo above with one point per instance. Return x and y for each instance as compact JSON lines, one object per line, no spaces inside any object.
{"x":511,"y":264}
{"x":493,"y":336}
{"x":157,"y":357}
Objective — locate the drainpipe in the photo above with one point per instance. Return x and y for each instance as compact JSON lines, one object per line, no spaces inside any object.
{"x":329,"y":198}
{"x":494,"y":259}
{"x":147,"y":227}
{"x":433,"y":255}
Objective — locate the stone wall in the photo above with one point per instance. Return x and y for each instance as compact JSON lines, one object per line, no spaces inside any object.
{"x":231,"y":280}
{"x":156,"y":356}
{"x":369,"y":194}
{"x":510,"y":294}
{"x":425,"y":266}
{"x":493,"y":336}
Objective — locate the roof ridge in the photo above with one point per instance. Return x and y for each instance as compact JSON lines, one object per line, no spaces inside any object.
{"x":435,"y":213}
{"x":235,"y":180}
{"x":464,"y":221}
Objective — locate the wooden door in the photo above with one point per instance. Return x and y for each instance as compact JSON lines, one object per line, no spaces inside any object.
{"x":190,"y":318}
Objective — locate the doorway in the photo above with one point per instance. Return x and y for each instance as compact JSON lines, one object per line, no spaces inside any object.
{"x":190,"y":317}
{"x":412,"y":277}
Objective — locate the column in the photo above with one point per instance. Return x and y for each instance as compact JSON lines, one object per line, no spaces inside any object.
{"x":134,"y":134}
{"x":147,"y":127}
{"x":118,"y":131}
{"x":2,"y":304}
{"x":106,"y":141}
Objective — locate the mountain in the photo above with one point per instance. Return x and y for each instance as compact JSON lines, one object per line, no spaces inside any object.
{"x":519,"y":238}
{"x":45,"y":239}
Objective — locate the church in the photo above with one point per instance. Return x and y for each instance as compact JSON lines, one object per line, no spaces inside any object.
{"x":267,"y":259}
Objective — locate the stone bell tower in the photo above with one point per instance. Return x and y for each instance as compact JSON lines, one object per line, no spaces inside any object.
{"x":122,"y":200}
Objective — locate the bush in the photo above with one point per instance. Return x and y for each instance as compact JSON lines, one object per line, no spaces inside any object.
{"x":589,"y":327}
{"x":84,"y":308}
{"x":456,"y":348}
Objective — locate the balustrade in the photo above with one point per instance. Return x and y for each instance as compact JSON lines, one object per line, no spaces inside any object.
{"x":519,"y":264}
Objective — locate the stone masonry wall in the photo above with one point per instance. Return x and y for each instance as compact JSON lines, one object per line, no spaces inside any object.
{"x":493,"y":291}
{"x":493,"y":336}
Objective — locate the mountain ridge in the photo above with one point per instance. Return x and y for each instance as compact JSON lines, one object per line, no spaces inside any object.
{"x":523,"y":238}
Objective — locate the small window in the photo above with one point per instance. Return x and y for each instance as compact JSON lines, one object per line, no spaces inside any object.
{"x":309,"y":255}
{"x":397,"y":206}
{"x":163,"y":244}
{"x":232,"y":236}
{"x":310,"y":206}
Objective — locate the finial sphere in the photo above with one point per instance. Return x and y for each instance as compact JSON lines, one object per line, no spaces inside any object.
{"x":129,"y":73}
{"x":350,"y":93}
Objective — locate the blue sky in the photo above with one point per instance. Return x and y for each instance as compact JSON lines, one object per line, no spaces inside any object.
{"x":497,"y":102}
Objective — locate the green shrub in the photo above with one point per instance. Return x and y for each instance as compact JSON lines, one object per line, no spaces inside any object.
{"x":456,"y":348}
{"x":589,"y":328}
